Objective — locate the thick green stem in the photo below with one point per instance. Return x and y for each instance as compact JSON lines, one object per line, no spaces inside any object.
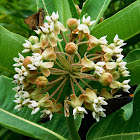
{"x":72,"y":128}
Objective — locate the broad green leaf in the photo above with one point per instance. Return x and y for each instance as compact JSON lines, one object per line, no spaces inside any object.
{"x":132,"y":56}
{"x":73,"y":9}
{"x":10,"y":45}
{"x":54,"y":129}
{"x":95,"y":9}
{"x":133,"y":65}
{"x":128,"y":108}
{"x":134,"y":72}
{"x":125,"y":23}
{"x":116,"y":127}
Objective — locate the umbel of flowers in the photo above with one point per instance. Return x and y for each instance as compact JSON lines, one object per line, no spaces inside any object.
{"x":48,"y":58}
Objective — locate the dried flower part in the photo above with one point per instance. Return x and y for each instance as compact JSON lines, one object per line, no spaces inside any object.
{"x":47,"y":61}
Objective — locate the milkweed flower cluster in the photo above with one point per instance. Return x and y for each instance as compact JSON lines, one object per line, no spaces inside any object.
{"x":34,"y":73}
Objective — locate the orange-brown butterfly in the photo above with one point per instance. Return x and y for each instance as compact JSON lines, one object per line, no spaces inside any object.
{"x":36,"y":20}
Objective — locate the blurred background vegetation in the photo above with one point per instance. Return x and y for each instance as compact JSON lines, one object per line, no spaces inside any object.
{"x":12,"y":15}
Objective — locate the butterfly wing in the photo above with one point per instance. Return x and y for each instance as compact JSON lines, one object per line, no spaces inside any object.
{"x":41,"y":16}
{"x":32,"y":21}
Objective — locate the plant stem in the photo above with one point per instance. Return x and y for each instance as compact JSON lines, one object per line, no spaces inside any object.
{"x":86,"y":84}
{"x":60,"y":46}
{"x":58,"y":88}
{"x":79,"y":57}
{"x":63,"y":37}
{"x":82,"y":90}
{"x":55,"y":81}
{"x":55,"y":69}
{"x":63,"y":61}
{"x":72,"y":85}
{"x":84,"y":42}
{"x":72,"y":128}
{"x":61,"y":90}
{"x":65,"y":54}
{"x":59,"y":65}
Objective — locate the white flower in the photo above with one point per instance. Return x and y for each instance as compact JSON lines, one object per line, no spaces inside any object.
{"x":118,"y":41}
{"x":55,"y":16}
{"x":38,"y":31}
{"x":55,"y":25}
{"x":48,"y":27}
{"x":18,"y":60}
{"x":22,"y":73}
{"x":96,"y":115}
{"x":122,"y":68}
{"x":18,"y":100}
{"x":17,"y":88}
{"x":103,"y":40}
{"x":25,"y":101}
{"x":89,"y":65}
{"x":84,"y":28}
{"x":27,"y":46}
{"x":86,"y":23}
{"x":34,"y":106}
{"x":119,"y":57}
{"x":125,"y":85}
{"x":111,"y":51}
{"x":45,"y":28}
{"x":98,"y":68}
{"x":79,"y":110}
{"x":18,"y":107}
{"x":98,"y":102}
{"x":25,"y":94}
{"x":46,"y":113}
{"x":36,"y":60}
{"x":125,"y":73}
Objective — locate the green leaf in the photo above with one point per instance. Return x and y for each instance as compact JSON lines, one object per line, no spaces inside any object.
{"x":10,"y":45}
{"x":132,"y":56}
{"x":125,"y":23}
{"x":116,"y":127}
{"x":128,"y":108}
{"x":95,"y":9}
{"x":133,"y":65}
{"x":54,"y":129}
{"x":134,"y":72}
{"x":73,"y":9}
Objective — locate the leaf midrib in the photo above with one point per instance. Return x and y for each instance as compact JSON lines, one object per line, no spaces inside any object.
{"x":34,"y":124}
{"x":122,"y":134}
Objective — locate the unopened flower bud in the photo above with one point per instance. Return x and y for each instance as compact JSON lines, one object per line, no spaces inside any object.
{"x":26,"y":61}
{"x":106,"y":78}
{"x":34,"y":39}
{"x":71,"y":48}
{"x":72,"y":23}
{"x":41,"y":81}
